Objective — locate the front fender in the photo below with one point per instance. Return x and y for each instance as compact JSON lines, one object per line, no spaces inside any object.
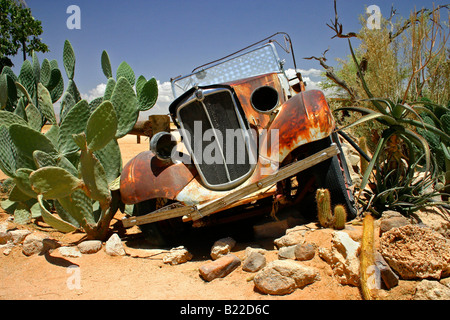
{"x":304,"y":118}
{"x":146,"y":177}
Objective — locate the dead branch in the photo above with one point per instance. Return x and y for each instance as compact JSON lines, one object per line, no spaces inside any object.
{"x":332,"y":76}
{"x":337,"y":27}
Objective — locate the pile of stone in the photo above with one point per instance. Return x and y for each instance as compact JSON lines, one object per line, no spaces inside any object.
{"x":39,"y":243}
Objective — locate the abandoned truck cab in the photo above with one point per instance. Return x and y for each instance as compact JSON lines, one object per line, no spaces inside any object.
{"x":245,"y":134}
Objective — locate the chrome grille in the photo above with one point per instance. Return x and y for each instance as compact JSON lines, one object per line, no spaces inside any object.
{"x":217,"y":138}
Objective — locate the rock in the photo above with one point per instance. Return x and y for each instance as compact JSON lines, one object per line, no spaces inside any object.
{"x":390,"y":279}
{"x":445,"y":282}
{"x":343,"y":258}
{"x":250,"y":250}
{"x":222,"y":247}
{"x":434,"y":220}
{"x":219,"y":268}
{"x":7,"y":251}
{"x":292,"y":237}
{"x":345,"y":245}
{"x":33,"y":244}
{"x":305,"y":251}
{"x":387,"y":224}
{"x":90,"y":246}
{"x":254,"y":262}
{"x":177,"y":256}
{"x":17,"y":236}
{"x":282,"y":277}
{"x":431,"y":290}
{"x":416,"y":252}
{"x":287,"y":252}
{"x":70,"y":252}
{"x":5,"y":235}
{"x":114,"y":246}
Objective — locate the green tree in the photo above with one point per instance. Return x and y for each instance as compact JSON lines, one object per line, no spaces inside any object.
{"x":19,"y":30}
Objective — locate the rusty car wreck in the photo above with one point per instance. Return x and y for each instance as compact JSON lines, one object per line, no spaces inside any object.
{"x":245,"y":134}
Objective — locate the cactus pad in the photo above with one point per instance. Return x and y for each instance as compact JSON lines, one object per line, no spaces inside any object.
{"x":101,"y":127}
{"x":54,"y":182}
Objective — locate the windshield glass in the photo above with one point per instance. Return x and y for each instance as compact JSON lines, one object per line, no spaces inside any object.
{"x":256,"y":62}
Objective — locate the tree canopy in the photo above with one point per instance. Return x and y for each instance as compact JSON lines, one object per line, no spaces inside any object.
{"x":19,"y":30}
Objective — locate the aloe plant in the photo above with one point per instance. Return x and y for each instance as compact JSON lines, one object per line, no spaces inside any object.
{"x":67,"y":175}
{"x":400,"y":120}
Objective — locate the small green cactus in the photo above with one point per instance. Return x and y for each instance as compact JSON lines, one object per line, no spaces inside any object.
{"x":324,"y":213}
{"x":340,"y":217}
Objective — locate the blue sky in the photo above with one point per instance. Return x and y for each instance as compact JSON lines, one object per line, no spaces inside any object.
{"x":167,"y":38}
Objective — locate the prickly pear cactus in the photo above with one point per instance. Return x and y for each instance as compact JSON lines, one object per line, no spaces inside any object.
{"x":74,"y":166}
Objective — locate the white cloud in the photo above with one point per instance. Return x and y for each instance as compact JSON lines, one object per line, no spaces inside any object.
{"x":98,"y":91}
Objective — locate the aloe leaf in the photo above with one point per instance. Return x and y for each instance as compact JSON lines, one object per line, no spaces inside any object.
{"x":421,"y":142}
{"x":374,"y":160}
{"x":369,"y":117}
{"x":53,"y":221}
{"x":54,"y":182}
{"x":106,"y":65}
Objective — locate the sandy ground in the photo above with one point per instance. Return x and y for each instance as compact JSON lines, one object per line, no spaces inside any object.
{"x":141,"y":274}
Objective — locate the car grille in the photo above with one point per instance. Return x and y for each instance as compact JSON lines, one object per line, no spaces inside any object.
{"x":217,"y":138}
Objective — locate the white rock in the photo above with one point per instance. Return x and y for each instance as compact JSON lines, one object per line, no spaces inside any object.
{"x":114,"y":246}
{"x":17,"y":236}
{"x":177,"y":256}
{"x":90,"y":246}
{"x":70,"y":252}
{"x":281,"y":277}
{"x":343,"y":258}
{"x":222,"y":247}
{"x":431,"y":290}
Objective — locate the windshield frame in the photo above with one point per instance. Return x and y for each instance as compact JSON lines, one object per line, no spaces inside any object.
{"x":191,"y":78}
